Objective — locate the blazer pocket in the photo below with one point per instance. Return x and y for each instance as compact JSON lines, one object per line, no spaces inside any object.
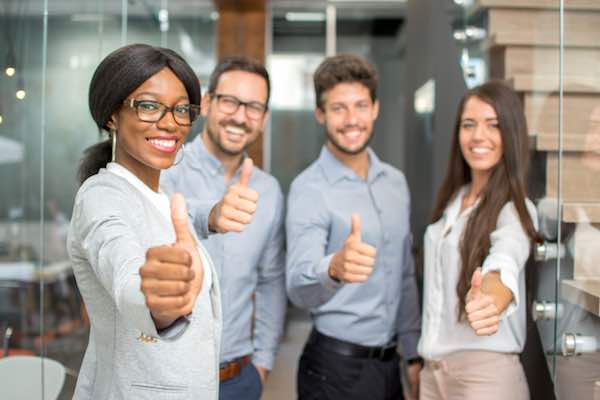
{"x":153,"y":391}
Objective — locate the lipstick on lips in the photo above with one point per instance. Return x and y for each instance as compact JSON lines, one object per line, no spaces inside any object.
{"x":166,"y":144}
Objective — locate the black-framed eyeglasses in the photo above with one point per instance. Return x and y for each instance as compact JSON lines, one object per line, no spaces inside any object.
{"x":153,"y":111}
{"x":229,"y":104}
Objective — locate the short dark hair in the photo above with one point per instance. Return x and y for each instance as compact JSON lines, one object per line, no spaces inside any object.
{"x":344,"y":68}
{"x":238,"y":63}
{"x":119,"y":74}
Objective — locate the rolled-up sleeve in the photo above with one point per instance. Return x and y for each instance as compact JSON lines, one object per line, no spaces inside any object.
{"x":510,"y":247}
{"x":409,"y":315}
{"x":308,"y":282}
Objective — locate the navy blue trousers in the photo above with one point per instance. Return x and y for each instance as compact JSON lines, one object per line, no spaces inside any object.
{"x":246,"y":385}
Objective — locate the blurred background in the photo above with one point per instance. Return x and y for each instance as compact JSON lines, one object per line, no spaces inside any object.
{"x":427,"y":52}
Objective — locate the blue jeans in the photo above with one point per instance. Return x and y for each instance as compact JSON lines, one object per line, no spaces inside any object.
{"x":246,"y":385}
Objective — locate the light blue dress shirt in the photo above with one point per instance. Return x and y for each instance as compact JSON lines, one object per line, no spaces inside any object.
{"x":320,"y":204}
{"x":247,"y":263}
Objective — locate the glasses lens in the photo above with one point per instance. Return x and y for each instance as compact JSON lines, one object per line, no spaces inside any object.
{"x":228,"y":104}
{"x":150,"y":111}
{"x":255,"y":110}
{"x":183,"y":114}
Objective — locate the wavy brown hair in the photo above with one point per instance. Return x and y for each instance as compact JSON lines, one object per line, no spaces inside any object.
{"x":507,"y":181}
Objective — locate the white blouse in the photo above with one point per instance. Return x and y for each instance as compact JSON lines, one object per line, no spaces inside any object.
{"x":163,"y":204}
{"x":442,"y":334}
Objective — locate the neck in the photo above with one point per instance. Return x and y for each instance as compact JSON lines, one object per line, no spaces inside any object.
{"x":230,"y":162}
{"x":359,"y":163}
{"x":478,"y":181}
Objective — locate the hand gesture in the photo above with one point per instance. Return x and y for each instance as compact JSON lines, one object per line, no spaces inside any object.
{"x":172,"y":275}
{"x":354,"y":262}
{"x":482,"y":312}
{"x":236,"y":208}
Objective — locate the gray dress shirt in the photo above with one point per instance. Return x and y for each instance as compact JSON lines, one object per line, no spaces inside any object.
{"x":320,"y":204}
{"x":247,"y":263}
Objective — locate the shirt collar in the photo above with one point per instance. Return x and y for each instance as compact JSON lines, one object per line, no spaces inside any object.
{"x":452,"y":212}
{"x":336,"y":170}
{"x":201,"y":159}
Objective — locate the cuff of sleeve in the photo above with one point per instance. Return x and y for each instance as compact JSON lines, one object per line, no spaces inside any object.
{"x":174,"y":330}
{"x":199,"y":212}
{"x":408,"y":342}
{"x":263,"y":359}
{"x":323,"y":274}
{"x":509,"y":274}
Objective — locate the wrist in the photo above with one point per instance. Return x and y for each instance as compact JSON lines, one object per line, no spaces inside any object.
{"x":415,"y":361}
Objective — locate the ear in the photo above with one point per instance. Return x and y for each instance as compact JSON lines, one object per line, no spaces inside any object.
{"x":265,"y":118}
{"x":205,"y":104}
{"x":375,"y":110}
{"x":112,"y":124}
{"x":320,"y":115}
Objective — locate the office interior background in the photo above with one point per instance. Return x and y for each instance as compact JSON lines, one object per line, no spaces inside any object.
{"x":427,"y":52}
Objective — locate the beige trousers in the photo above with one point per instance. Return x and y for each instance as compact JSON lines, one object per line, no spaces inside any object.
{"x":474,"y":375}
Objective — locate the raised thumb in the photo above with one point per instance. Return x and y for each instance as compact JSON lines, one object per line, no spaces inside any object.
{"x":476,"y":282}
{"x":246,"y":171}
{"x":179,"y":217}
{"x":355,"y":229}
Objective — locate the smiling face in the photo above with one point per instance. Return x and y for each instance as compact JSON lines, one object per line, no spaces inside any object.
{"x":480,"y":137}
{"x":147,"y":147}
{"x":348,"y":115}
{"x":228,"y":134}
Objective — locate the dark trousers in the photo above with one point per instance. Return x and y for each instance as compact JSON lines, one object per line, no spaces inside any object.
{"x":244,"y":386}
{"x":324,"y":375}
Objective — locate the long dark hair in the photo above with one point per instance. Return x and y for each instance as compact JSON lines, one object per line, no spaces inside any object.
{"x":119,"y":74}
{"x":507,"y":181}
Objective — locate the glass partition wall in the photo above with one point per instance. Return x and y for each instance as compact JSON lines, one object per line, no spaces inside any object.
{"x":548,"y":52}
{"x":49,"y":50}
{"x":427,"y":53}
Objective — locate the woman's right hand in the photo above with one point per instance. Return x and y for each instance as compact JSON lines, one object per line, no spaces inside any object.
{"x":172,"y":275}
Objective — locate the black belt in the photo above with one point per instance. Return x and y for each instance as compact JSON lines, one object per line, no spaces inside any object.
{"x":341,"y":347}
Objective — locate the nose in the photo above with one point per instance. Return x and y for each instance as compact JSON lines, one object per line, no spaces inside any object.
{"x":167,"y":122}
{"x":351,"y":116}
{"x":239,"y":116}
{"x":479,"y":132}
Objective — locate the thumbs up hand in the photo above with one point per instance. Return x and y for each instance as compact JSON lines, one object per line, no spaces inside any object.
{"x":354,"y":262}
{"x":236,"y":208}
{"x":172,"y":275}
{"x":482,"y":312}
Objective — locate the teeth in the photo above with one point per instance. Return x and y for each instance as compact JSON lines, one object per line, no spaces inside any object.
{"x":234,"y":130}
{"x":167,"y":143}
{"x":352,"y":134}
{"x":480,"y":150}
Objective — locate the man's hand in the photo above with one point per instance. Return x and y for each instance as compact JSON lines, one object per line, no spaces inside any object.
{"x":413,"y":379}
{"x":236,"y":208}
{"x":172,"y":275}
{"x":482,"y":312}
{"x":262,"y":373}
{"x":354,"y":262}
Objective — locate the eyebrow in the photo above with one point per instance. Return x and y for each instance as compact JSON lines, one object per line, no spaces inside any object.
{"x":158,"y":95}
{"x":473,"y":119}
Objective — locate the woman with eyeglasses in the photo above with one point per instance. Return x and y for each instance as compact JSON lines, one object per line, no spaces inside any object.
{"x":149,"y":287}
{"x":483,"y":228}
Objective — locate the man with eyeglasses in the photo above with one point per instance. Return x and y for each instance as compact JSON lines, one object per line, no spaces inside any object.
{"x":238,"y":210}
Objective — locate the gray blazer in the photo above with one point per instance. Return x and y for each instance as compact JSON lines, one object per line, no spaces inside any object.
{"x":112,"y":227}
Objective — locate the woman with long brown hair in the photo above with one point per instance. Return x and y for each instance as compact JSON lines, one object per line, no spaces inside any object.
{"x":476,"y":248}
